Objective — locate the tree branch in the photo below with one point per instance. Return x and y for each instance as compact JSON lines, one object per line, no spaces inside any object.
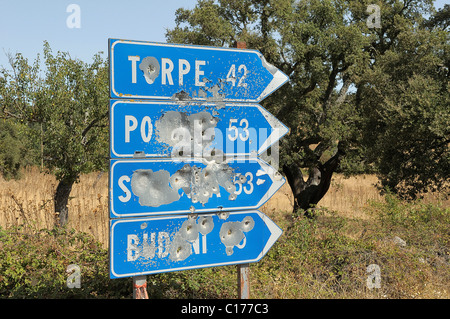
{"x":343,"y":92}
{"x":92,"y":124}
{"x":287,"y":107}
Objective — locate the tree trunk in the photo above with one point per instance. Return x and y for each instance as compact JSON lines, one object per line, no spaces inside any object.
{"x":308,"y":193}
{"x":61,"y":200}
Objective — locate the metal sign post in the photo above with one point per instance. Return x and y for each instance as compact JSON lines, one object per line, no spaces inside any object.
{"x":140,"y":287}
{"x":243,"y":272}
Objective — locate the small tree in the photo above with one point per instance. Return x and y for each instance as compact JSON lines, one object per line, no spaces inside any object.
{"x":66,"y":104}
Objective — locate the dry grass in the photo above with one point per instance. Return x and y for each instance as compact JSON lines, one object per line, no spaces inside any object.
{"x":31,"y":199}
{"x":346,"y":218}
{"x":348,"y":196}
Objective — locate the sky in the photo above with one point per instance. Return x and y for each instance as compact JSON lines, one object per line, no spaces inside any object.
{"x":25,"y":24}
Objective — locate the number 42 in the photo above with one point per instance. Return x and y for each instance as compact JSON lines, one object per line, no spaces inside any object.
{"x":231,"y":75}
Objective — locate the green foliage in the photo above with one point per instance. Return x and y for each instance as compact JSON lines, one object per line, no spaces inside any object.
{"x":405,"y":114}
{"x":379,"y":95}
{"x":210,"y":283}
{"x":316,"y":53}
{"x":66,"y":104}
{"x":13,"y":150}
{"x":33,"y":264}
{"x":327,"y":256}
{"x":65,"y":110}
{"x":417,"y":222}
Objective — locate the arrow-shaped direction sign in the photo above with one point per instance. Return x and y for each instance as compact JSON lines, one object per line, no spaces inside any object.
{"x":148,"y":70}
{"x":144,"y":246}
{"x":169,"y":129}
{"x":169,"y":186}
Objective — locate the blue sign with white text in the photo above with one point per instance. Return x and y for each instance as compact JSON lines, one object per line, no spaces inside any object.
{"x":145,"y":187}
{"x":168,"y":129}
{"x":144,"y":246}
{"x":149,"y":70}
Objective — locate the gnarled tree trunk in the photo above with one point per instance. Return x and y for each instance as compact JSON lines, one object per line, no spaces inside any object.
{"x":61,"y":199}
{"x":308,"y":193}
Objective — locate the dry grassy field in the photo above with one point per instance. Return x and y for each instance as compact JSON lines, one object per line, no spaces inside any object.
{"x":31,"y":199}
{"x":325,"y":258}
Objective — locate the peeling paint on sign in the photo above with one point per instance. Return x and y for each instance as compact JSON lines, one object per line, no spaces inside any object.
{"x":152,"y":188}
{"x":150,"y":67}
{"x":167,"y":129}
{"x":159,"y":188}
{"x":181,"y":246}
{"x":188,"y":135}
{"x":212,"y":146}
{"x":141,"y":187}
{"x":177,"y":249}
{"x":160,"y":71}
{"x":161,"y":244}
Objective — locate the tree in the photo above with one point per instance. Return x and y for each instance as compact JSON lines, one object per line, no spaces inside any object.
{"x":66,"y":104}
{"x":330,"y":54}
{"x":13,"y":151}
{"x":322,"y":52}
{"x":404,"y":101}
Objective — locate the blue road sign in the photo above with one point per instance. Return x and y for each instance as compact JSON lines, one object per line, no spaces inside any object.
{"x":145,"y":187}
{"x":149,"y":70}
{"x":169,"y":129}
{"x":144,"y":246}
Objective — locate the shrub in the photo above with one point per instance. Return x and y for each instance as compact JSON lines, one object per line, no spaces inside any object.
{"x":326,"y":256}
{"x":33,"y":264}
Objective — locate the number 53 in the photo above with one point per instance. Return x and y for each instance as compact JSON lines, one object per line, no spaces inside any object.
{"x":244,"y":124}
{"x":248,"y":189}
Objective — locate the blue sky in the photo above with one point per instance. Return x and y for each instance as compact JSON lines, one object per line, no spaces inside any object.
{"x":25,"y":24}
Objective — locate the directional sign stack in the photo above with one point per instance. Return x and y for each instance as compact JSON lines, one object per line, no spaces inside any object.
{"x":186,"y":136}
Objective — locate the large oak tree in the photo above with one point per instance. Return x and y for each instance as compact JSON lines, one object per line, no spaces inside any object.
{"x":349,"y":82}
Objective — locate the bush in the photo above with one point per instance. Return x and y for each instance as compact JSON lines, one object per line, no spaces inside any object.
{"x":326,"y":256}
{"x":33,"y":264}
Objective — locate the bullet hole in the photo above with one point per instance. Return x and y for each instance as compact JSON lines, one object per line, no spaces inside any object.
{"x":192,"y":134}
{"x":232,"y":233}
{"x":150,"y":67}
{"x":205,"y":225}
{"x":153,"y":188}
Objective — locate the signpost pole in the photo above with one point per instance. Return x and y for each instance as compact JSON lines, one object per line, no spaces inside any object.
{"x":140,"y":287}
{"x":243,"y":271}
